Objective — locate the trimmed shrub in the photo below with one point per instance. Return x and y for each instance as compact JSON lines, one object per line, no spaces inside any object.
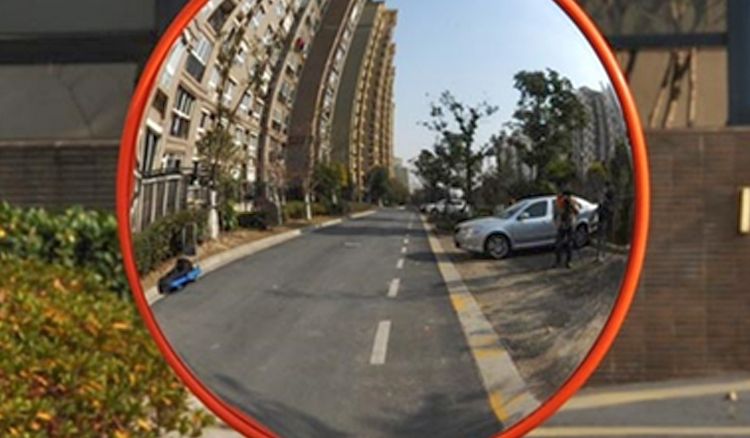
{"x":258,"y":220}
{"x":294,"y":210}
{"x":163,"y":239}
{"x":74,"y":238}
{"x":77,"y":361}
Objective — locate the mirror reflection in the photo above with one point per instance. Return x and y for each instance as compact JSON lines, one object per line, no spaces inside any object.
{"x":368,"y":218}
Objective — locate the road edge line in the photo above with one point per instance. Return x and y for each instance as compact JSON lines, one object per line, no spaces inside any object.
{"x":507,"y":391}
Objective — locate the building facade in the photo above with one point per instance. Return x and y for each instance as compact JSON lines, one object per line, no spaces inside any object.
{"x":194,"y":87}
{"x":312,"y":116}
{"x":603,"y":130}
{"x":365,"y":101}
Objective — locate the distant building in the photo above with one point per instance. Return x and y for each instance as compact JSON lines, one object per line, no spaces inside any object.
{"x":401,"y":173}
{"x":604,"y":128}
{"x":310,"y":124}
{"x":362,"y":136}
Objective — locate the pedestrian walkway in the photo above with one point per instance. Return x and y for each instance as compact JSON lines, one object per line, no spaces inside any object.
{"x":716,"y":407}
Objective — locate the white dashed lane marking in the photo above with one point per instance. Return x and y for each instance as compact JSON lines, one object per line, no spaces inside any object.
{"x":380,"y":348}
{"x":400,"y":264}
{"x":393,"y":288}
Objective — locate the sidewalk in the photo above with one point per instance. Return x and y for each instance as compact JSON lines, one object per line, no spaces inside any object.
{"x":678,"y":408}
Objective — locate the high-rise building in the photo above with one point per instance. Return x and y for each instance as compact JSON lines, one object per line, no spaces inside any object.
{"x":362,"y":105}
{"x":310,"y":124}
{"x":604,"y":128}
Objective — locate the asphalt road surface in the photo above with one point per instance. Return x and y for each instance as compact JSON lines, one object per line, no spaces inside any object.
{"x":336,"y":333}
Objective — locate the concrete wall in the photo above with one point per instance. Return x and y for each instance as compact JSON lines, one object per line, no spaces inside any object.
{"x":59,"y":174}
{"x":691,"y":316}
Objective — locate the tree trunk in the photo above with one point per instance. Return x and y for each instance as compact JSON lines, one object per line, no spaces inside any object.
{"x":308,"y":206}
{"x":663,"y":89}
{"x":213,"y":216}
{"x":692,"y":88}
{"x":675,"y":88}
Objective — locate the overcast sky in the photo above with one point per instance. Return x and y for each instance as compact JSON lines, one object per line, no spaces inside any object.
{"x":474,"y":48}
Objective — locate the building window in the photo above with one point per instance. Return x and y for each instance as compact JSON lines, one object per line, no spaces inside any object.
{"x":247,"y":5}
{"x":258,"y":16}
{"x":150,"y":143}
{"x":246,"y":102}
{"x":219,"y":17}
{"x":229,"y":92}
{"x":170,"y":69}
{"x":213,"y":81}
{"x":181,"y":113}
{"x":241,"y":55}
{"x":278,"y":119}
{"x":172,"y":162}
{"x":160,"y":102}
{"x":196,"y":64}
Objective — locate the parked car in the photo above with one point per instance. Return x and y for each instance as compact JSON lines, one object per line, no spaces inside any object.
{"x":445,"y":206}
{"x":528,"y":223}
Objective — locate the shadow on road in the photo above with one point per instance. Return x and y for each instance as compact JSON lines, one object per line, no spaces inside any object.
{"x":280,"y":418}
{"x":440,"y":416}
{"x":361,"y":230}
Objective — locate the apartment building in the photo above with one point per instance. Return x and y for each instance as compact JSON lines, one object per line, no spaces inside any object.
{"x":186,"y":100}
{"x":359,"y":107}
{"x":605,"y":127}
{"x":312,"y":116}
{"x":284,"y":84}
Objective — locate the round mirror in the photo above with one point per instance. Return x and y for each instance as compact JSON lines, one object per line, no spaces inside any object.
{"x":368,"y":218}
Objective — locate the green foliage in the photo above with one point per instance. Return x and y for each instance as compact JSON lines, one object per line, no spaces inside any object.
{"x":546,"y":119}
{"x":163,"y":239}
{"x":329,"y":181}
{"x":77,"y":360}
{"x":294,"y":210}
{"x":74,"y":238}
{"x":459,"y":161}
{"x":434,"y":174}
{"x":378,"y":183}
{"x":228,"y":217}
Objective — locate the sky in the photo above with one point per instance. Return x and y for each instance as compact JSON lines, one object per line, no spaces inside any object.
{"x":474,"y":48}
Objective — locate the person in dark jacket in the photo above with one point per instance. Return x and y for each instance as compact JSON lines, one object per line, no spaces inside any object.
{"x":566,"y":213}
{"x":605,"y":213}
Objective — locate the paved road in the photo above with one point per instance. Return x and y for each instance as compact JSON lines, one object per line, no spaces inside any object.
{"x":314,"y":338}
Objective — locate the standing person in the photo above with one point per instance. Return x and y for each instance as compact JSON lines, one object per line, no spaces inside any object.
{"x":566,"y":213}
{"x":604,"y":212}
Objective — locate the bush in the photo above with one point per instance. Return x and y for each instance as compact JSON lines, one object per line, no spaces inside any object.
{"x":294,"y":210}
{"x":77,"y":360}
{"x":320,"y":209}
{"x":261,"y":220}
{"x":74,"y":238}
{"x":162,"y":240}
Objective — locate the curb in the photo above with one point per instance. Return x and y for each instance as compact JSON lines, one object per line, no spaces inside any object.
{"x":220,"y":260}
{"x":509,"y":397}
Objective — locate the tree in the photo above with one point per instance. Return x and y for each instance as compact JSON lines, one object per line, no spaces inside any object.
{"x":544,"y":125}
{"x":221,"y":154}
{"x":329,"y":181}
{"x":456,"y":126}
{"x":378,"y":184}
{"x":433,"y":174}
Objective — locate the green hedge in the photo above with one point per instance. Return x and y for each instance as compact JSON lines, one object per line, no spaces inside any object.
{"x":162,"y":240}
{"x":77,"y":361}
{"x":74,"y":238}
